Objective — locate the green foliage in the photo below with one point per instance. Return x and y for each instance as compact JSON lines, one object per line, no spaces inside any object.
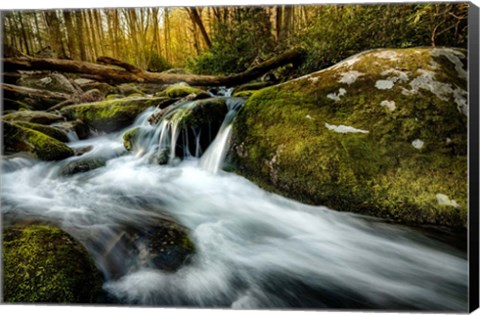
{"x":157,"y":63}
{"x":339,"y":31}
{"x":44,"y":264}
{"x":237,"y":43}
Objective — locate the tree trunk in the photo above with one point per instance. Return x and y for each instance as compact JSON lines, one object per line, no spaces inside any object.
{"x":195,"y":16}
{"x":72,"y":35}
{"x":24,"y":33}
{"x":81,"y":38}
{"x":131,"y":73}
{"x":15,"y":91}
{"x":55,"y":34}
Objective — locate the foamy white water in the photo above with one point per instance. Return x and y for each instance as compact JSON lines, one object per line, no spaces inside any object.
{"x":254,"y":249}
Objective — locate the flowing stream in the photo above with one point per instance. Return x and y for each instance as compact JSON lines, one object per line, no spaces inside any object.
{"x":254,"y":249}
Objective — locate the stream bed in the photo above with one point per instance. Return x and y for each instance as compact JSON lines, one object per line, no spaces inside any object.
{"x":254,"y":249}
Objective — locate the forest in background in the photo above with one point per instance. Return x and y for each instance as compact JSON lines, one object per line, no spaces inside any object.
{"x":224,"y":40}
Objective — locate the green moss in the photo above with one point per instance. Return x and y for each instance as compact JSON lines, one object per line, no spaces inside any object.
{"x":281,"y":142}
{"x":45,"y":265}
{"x":129,"y":138}
{"x":252,"y":86}
{"x":49,"y":131}
{"x":110,"y":115}
{"x":247,"y":93}
{"x":181,"y":91}
{"x":21,"y":139}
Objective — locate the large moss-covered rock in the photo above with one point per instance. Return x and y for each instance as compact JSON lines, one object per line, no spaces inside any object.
{"x":39,"y":117}
{"x":37,"y":144}
{"x":45,"y":265}
{"x":110,"y":115}
{"x":382,"y":133}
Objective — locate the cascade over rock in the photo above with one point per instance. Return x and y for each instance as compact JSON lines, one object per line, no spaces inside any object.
{"x":382,"y":133}
{"x":110,"y":115}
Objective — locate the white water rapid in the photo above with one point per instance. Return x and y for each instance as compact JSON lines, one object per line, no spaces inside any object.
{"x":254,"y":249}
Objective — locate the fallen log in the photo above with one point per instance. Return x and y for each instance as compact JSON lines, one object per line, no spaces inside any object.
{"x":16,"y":92}
{"x":115,"y":71}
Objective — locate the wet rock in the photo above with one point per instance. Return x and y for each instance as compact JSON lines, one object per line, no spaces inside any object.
{"x":109,"y":115}
{"x":129,"y":138}
{"x":165,"y":246}
{"x":46,"y":265}
{"x":82,"y":165}
{"x":349,"y":136}
{"x":79,"y":127}
{"x":200,"y":113}
{"x":83,"y":150}
{"x":37,"y":144}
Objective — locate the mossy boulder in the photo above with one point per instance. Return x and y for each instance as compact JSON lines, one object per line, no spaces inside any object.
{"x":37,"y":144}
{"x":200,"y":113}
{"x":178,"y":91}
{"x":382,"y":133}
{"x":50,"y":131}
{"x":110,"y":115}
{"x":39,"y":117}
{"x":44,"y":264}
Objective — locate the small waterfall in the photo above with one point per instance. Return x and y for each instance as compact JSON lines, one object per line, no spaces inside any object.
{"x":213,"y":158}
{"x":170,"y":140}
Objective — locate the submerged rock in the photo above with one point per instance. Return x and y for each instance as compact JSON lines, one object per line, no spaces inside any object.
{"x":348,"y":136}
{"x":165,"y":246}
{"x":82,"y":165}
{"x":110,"y":115}
{"x":35,"y":143}
{"x":45,"y":265}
